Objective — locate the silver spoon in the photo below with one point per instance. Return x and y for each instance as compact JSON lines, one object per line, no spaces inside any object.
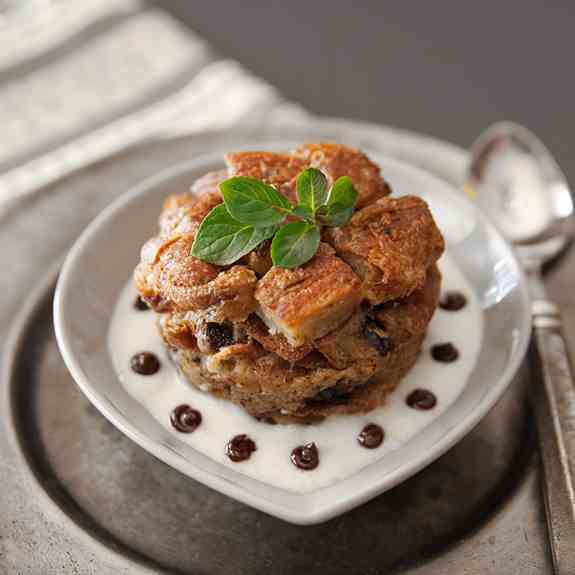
{"x":516,"y":181}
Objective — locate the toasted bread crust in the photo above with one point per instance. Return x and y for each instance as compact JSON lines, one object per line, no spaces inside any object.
{"x":390,"y":245}
{"x":279,"y":170}
{"x":332,"y":336}
{"x":306,"y":302}
{"x":276,"y":343}
{"x":271,"y":387}
{"x":336,"y":160}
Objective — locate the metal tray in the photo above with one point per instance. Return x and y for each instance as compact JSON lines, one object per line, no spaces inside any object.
{"x":78,"y":496}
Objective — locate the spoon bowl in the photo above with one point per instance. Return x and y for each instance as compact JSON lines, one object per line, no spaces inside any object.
{"x":517,"y":182}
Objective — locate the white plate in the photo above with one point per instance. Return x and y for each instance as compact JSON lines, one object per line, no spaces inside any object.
{"x":100,"y":262}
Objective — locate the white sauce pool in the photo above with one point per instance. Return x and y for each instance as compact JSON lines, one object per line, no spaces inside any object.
{"x":133,"y":331}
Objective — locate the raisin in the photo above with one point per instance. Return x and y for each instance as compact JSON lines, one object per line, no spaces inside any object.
{"x":377,"y":338}
{"x":219,"y":335}
{"x":335,"y":395}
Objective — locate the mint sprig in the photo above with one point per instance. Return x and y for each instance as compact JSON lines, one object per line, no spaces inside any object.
{"x":311,"y":186}
{"x":338,"y":209}
{"x":253,"y":212}
{"x":251,"y":201}
{"x":222,"y":240}
{"x":295,"y":244}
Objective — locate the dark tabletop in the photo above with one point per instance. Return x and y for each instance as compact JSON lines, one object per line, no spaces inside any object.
{"x":447,"y":69}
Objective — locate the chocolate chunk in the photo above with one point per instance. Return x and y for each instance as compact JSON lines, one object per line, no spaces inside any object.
{"x":453,"y":301}
{"x":185,"y":419}
{"x":145,"y":363}
{"x":444,"y":352}
{"x":305,"y":457}
{"x":377,"y":337}
{"x":140,"y":304}
{"x":219,"y":335}
{"x":422,"y":399}
{"x":371,"y":436}
{"x":240,"y":448}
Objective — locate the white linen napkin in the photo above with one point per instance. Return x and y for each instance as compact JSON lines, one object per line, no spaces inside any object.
{"x":82,"y":80}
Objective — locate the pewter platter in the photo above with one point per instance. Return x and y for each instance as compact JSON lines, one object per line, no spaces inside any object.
{"x":78,"y":494}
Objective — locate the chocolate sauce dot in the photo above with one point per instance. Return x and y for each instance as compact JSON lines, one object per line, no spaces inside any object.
{"x":453,"y":301}
{"x":305,"y":457}
{"x":185,"y":419}
{"x":444,"y":352}
{"x":140,"y":304}
{"x":371,"y":436}
{"x":145,"y":363}
{"x":240,"y":448}
{"x":422,"y":399}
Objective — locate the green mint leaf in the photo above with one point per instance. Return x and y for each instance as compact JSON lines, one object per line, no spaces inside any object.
{"x":253,"y":202}
{"x":294,"y":244}
{"x":311,"y":187}
{"x":222,"y":240}
{"x":335,"y":215}
{"x":340,"y":204}
{"x":303,"y":212}
{"x":342,"y":192}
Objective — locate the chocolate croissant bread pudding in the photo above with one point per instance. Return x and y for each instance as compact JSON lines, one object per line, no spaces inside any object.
{"x":297,"y":343}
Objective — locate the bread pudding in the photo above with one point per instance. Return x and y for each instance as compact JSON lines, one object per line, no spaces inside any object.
{"x":334,"y":335}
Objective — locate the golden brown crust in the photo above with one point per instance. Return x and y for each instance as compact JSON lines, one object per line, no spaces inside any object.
{"x":354,"y":379}
{"x":163,"y":255}
{"x":170,"y":278}
{"x":208,"y":183}
{"x":165,"y":259}
{"x":279,"y":170}
{"x":184,"y":214}
{"x":306,"y":302}
{"x":189,"y":284}
{"x":276,"y":343}
{"x":336,"y":334}
{"x":344,"y":345}
{"x":178,"y":332}
{"x":335,"y":160}
{"x":390,"y":245}
{"x":400,"y":320}
{"x":230,"y":296}
{"x":364,"y":398}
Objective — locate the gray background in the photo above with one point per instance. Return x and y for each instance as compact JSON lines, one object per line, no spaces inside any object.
{"x":447,"y":68}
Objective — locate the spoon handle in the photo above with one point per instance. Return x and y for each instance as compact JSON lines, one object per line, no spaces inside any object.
{"x":554,"y":406}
